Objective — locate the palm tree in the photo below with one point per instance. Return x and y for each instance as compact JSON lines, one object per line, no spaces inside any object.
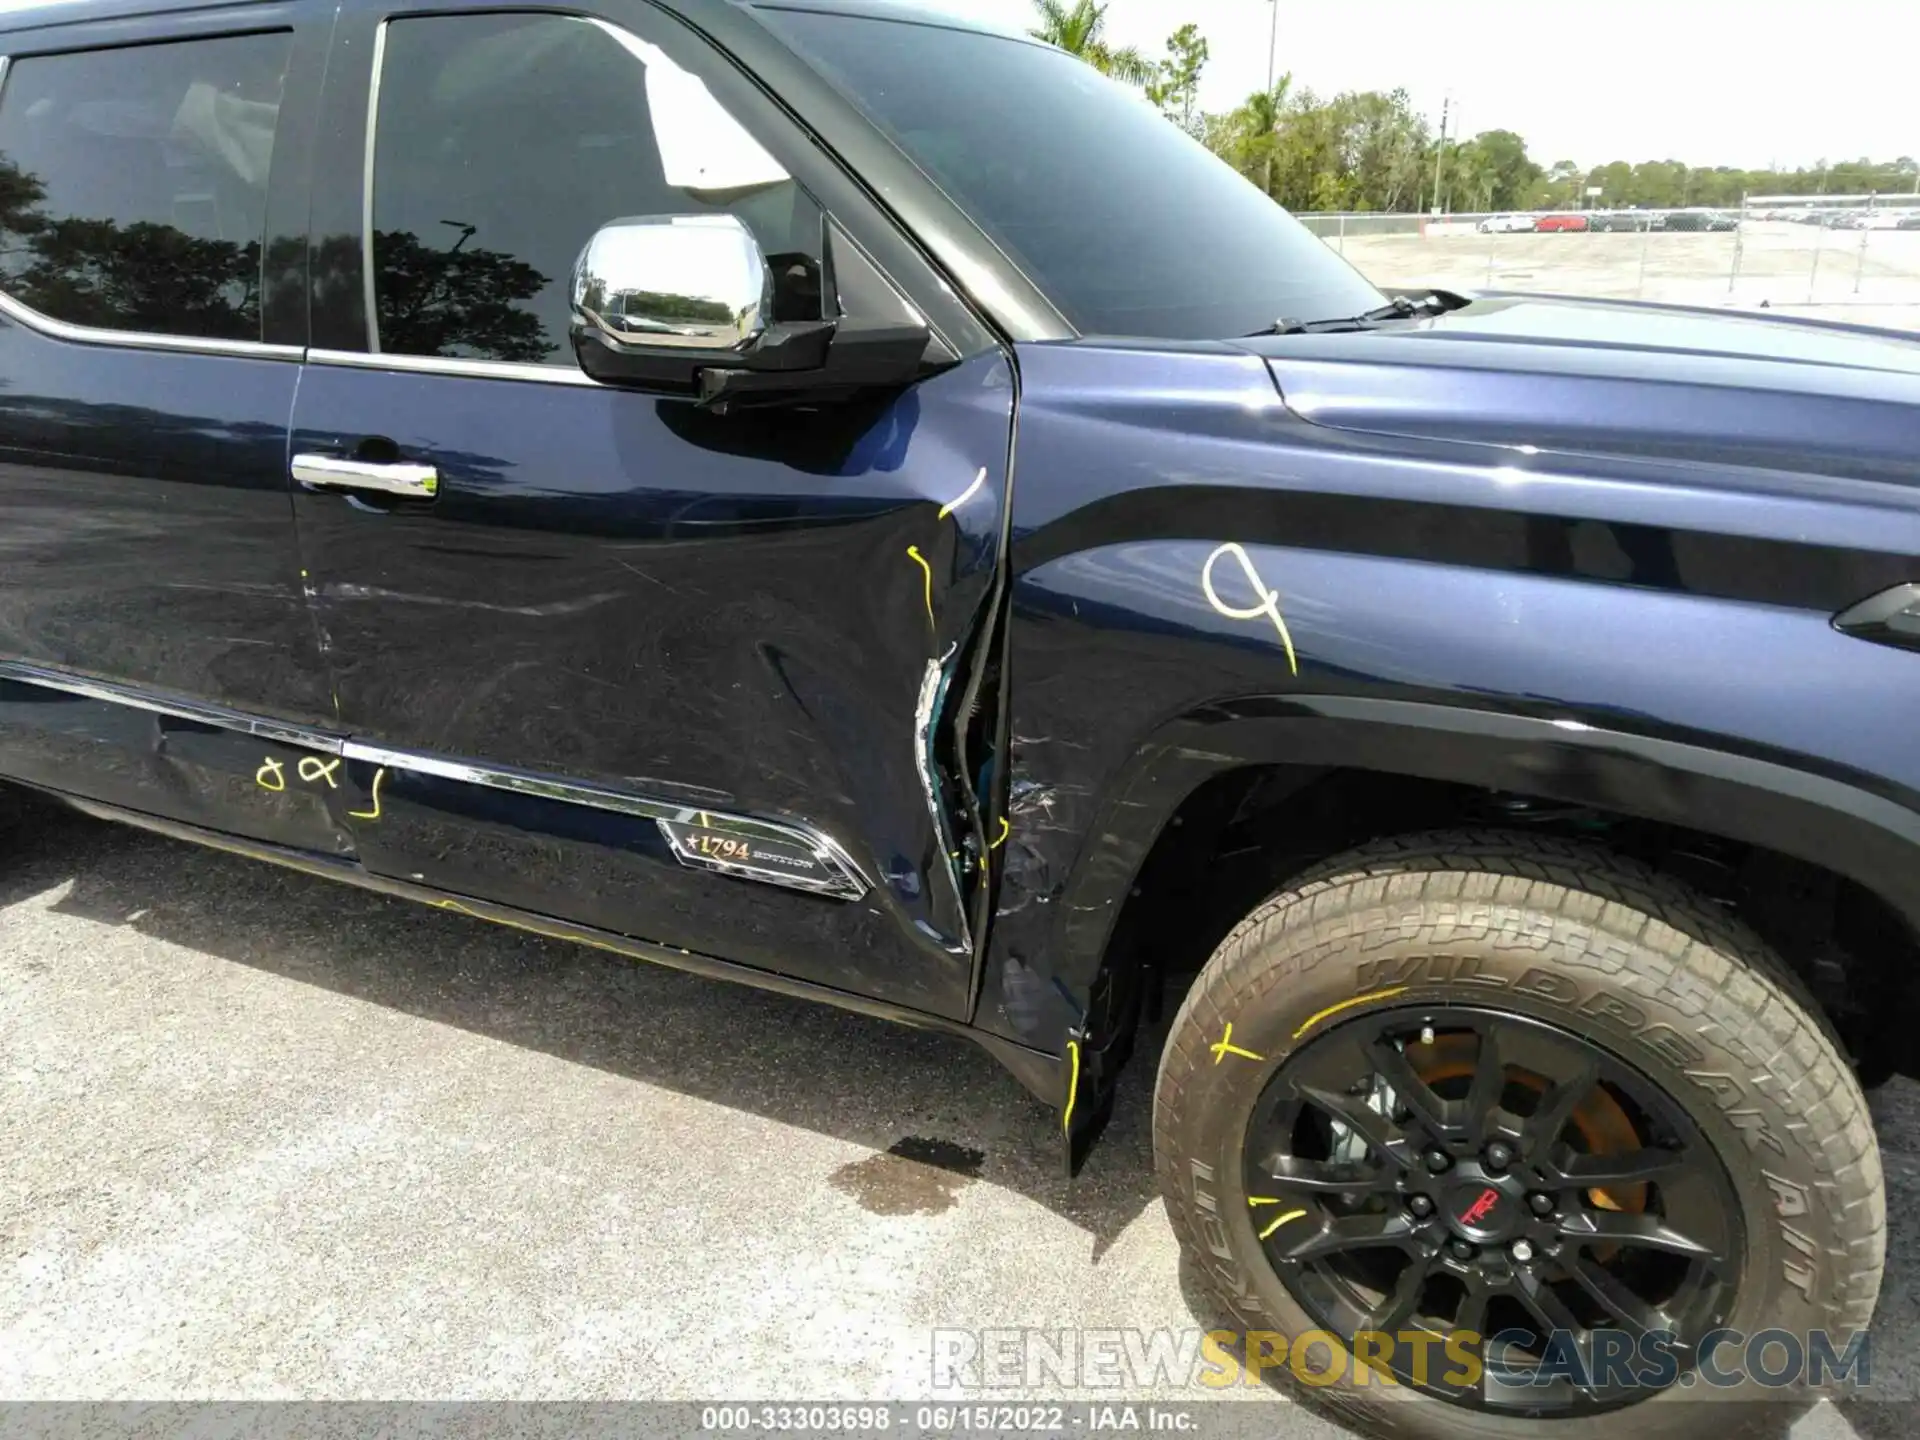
{"x":1078,"y":29}
{"x":1262,"y":112}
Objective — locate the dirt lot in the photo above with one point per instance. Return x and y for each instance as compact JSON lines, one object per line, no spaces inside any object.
{"x":1792,"y":268}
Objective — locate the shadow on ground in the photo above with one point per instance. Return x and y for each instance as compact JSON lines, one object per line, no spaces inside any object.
{"x":922,"y":1094}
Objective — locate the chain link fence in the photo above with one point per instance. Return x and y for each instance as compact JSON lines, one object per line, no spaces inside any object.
{"x":1846,"y":257}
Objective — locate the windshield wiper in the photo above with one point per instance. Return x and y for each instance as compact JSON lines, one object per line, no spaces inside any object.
{"x":1400,"y":307}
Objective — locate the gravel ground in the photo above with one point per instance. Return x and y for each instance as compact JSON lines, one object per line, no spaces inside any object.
{"x":270,"y":1138}
{"x":1791,"y":269}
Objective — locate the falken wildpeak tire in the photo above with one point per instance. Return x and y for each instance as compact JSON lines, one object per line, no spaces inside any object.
{"x":1570,"y":934}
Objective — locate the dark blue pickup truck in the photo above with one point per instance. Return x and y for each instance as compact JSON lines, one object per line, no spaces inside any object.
{"x":849,"y":502}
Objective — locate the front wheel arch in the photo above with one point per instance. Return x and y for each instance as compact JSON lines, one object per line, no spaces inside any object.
{"x":1835,"y":821}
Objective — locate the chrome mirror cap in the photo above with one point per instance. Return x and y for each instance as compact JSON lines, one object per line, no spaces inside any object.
{"x":674,"y":282}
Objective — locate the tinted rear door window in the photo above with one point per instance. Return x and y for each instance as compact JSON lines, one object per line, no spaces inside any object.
{"x":133,"y":184}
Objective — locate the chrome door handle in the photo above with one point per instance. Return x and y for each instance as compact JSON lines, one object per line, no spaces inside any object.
{"x":331,"y":472}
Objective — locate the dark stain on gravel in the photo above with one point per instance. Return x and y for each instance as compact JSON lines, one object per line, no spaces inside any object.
{"x":910,"y":1177}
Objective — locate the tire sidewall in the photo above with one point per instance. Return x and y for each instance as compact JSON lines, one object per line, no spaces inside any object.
{"x":1717,"y":1074}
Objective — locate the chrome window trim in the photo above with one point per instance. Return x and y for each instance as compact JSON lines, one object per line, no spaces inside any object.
{"x":141,"y":339}
{"x":33,"y":319}
{"x":366,"y":188}
{"x":846,"y":882}
{"x":449,"y":365}
{"x":88,"y":689}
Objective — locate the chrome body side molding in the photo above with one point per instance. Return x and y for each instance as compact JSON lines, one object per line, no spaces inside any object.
{"x":791,"y":854}
{"x":776,"y":852}
{"x":67,"y":684}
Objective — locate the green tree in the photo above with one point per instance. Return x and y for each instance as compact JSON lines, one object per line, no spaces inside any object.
{"x":1080,"y":29}
{"x":1616,"y":182}
{"x":1362,"y":150}
{"x":1470,"y":177}
{"x":1514,"y":174}
{"x":1175,"y":88}
{"x":1248,"y":136}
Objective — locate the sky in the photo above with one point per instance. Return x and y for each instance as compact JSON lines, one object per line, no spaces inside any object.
{"x":1746,"y":83}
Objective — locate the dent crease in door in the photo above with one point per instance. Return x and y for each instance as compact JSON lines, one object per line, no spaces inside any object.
{"x":623,"y":594}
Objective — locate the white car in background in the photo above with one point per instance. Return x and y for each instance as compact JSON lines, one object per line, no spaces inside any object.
{"x":1505,"y":224}
{"x":1887,"y":219}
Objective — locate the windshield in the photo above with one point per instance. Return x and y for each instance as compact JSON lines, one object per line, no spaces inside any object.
{"x":1130,"y":226}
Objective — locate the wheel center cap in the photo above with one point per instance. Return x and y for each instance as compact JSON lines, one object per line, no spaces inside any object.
{"x":1481,"y":1211}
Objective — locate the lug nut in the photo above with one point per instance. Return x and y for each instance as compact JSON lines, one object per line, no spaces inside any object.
{"x":1499,"y":1155}
{"x":1540,"y":1203}
{"x":1460,"y":1249}
{"x":1420,"y":1205}
{"x":1521,"y":1251}
{"x":1437,"y":1159}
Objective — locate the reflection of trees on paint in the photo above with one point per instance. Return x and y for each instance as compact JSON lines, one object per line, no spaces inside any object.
{"x":138,"y":276}
{"x":154,"y":277}
{"x":455,"y":302}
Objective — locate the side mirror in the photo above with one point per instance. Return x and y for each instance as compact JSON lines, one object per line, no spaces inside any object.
{"x":685,"y":302}
{"x":673,"y":282}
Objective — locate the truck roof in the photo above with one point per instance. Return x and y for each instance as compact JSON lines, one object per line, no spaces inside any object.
{"x":950,"y":16}
{"x":36,"y":13}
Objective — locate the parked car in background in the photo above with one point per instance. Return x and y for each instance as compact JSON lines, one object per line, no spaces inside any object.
{"x":1909,"y":222}
{"x":1505,"y":224}
{"x":1562,"y":222}
{"x":1888,"y":219}
{"x":1701,"y":220}
{"x":1621,"y":220}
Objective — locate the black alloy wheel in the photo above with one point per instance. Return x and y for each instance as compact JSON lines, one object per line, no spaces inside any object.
{"x":1442,"y":1170}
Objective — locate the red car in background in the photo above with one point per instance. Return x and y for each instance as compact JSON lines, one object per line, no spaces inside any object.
{"x":1561,"y":222}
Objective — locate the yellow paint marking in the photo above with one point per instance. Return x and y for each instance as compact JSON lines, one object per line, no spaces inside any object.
{"x":313,"y":768}
{"x":1315,"y":1018}
{"x":373,"y":814}
{"x":965,"y":495}
{"x":913,"y":553}
{"x":1224,"y":1047}
{"x":1262,"y":1200}
{"x":1290,"y":1215}
{"x":1269,"y":599}
{"x":1006,"y":829}
{"x":1073,"y":1087}
{"x":274,"y":768}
